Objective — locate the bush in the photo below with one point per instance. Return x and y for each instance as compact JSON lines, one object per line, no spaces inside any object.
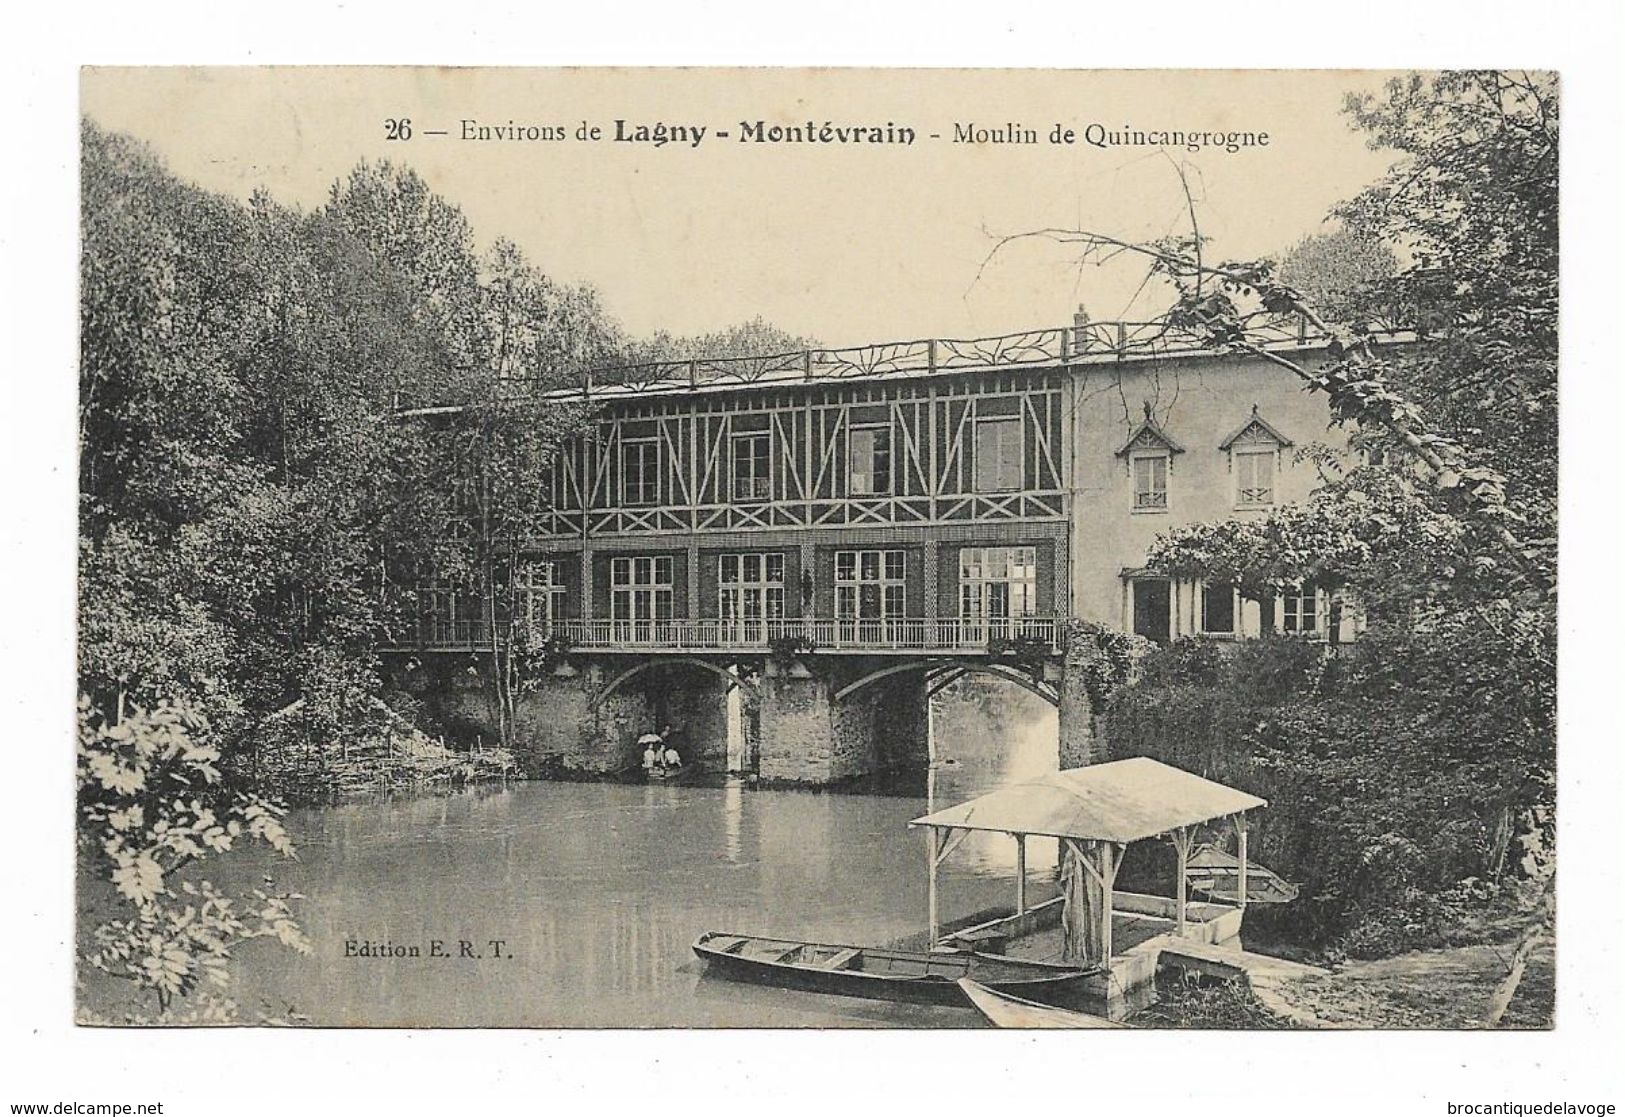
{"x":1189,"y":660}
{"x":1276,"y":668}
{"x":1404,"y":766}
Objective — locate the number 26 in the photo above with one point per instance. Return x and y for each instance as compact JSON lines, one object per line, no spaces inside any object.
{"x":398,"y":129}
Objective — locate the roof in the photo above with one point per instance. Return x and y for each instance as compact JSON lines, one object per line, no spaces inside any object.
{"x":1044,"y":348}
{"x":1122,"y":801}
{"x":1149,"y":435}
{"x":1255,"y":429}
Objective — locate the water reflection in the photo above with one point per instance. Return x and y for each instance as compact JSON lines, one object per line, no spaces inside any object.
{"x":986,"y":734}
{"x":733,"y":809}
{"x":596,"y":892}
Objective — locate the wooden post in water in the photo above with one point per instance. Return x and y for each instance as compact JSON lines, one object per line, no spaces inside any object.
{"x":1021,"y":874}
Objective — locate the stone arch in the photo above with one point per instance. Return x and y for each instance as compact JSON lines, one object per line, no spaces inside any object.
{"x":1016,"y":675}
{"x":887,"y":672}
{"x":946,"y":674}
{"x":946,"y":671}
{"x":615,"y":684}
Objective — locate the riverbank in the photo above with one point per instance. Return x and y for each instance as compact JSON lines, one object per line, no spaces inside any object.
{"x":1452,"y":988}
{"x":1446,"y":989}
{"x":295,"y":766}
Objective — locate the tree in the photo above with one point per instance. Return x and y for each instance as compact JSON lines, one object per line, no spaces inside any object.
{"x":1471,"y":409}
{"x":474,"y":472}
{"x":1337,"y":271}
{"x":1471,"y":413}
{"x":1474,"y":206}
{"x":755,"y":338}
{"x":255,"y":520}
{"x":1452,"y":522}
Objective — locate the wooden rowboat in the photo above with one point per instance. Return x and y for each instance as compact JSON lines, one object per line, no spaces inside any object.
{"x":895,"y":975}
{"x":1004,"y":1011}
{"x":671,"y":775}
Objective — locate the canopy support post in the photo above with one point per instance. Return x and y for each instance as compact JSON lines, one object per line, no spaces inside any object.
{"x":1241,"y":860}
{"x":1182,"y":848}
{"x":1109,"y":863}
{"x":1021,"y":874}
{"x":931,"y":886}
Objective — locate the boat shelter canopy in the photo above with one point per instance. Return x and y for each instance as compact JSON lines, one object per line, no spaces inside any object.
{"x":1122,"y":801}
{"x":1094,"y":812}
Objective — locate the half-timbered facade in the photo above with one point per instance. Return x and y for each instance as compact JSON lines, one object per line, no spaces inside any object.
{"x":846,"y":508}
{"x":936,"y":496}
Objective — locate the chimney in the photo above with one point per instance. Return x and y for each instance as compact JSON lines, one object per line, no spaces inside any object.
{"x":1080,"y":329}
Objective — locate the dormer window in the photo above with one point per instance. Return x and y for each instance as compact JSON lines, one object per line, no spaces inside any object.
{"x":1255,"y":461}
{"x":1149,"y":453}
{"x":1150,"y":481}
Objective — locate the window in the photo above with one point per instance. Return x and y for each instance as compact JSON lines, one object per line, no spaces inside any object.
{"x":1219,"y":609}
{"x":1255,"y":477}
{"x":750,"y":592}
{"x":1255,"y":459}
{"x":870,"y":460}
{"x":1150,"y":482}
{"x":1299,"y":610}
{"x":751,"y":477}
{"x":540,"y":593}
{"x":869,"y":593}
{"x":996,"y":586}
{"x":640,"y":597}
{"x":1150,"y":452}
{"x":998,"y":455}
{"x":640,"y":470}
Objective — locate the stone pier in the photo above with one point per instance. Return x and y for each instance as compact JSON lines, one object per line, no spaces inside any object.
{"x":1081,"y":738}
{"x":814,"y":721}
{"x":813,"y":733}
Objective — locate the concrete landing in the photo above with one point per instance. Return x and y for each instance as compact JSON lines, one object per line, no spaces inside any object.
{"x":1231,"y":964}
{"x":1263,"y":973}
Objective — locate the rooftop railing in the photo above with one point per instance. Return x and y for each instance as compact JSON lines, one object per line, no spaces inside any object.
{"x":1083,"y":341}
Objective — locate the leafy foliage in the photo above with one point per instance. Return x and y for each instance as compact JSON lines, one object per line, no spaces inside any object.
{"x":1474,"y":204}
{"x":1339,"y":271}
{"x":755,"y":338}
{"x":253,"y":522}
{"x":1409,"y":776}
{"x":152,"y":801}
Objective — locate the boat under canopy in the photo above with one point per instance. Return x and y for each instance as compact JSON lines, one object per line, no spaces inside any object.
{"x":1216,"y":875}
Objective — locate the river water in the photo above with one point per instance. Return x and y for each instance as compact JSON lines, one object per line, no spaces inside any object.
{"x":580,"y":901}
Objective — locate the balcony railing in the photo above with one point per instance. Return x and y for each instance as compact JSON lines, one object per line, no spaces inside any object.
{"x":814,"y":635}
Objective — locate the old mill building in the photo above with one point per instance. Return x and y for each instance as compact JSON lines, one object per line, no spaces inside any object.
{"x":832,"y":536}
